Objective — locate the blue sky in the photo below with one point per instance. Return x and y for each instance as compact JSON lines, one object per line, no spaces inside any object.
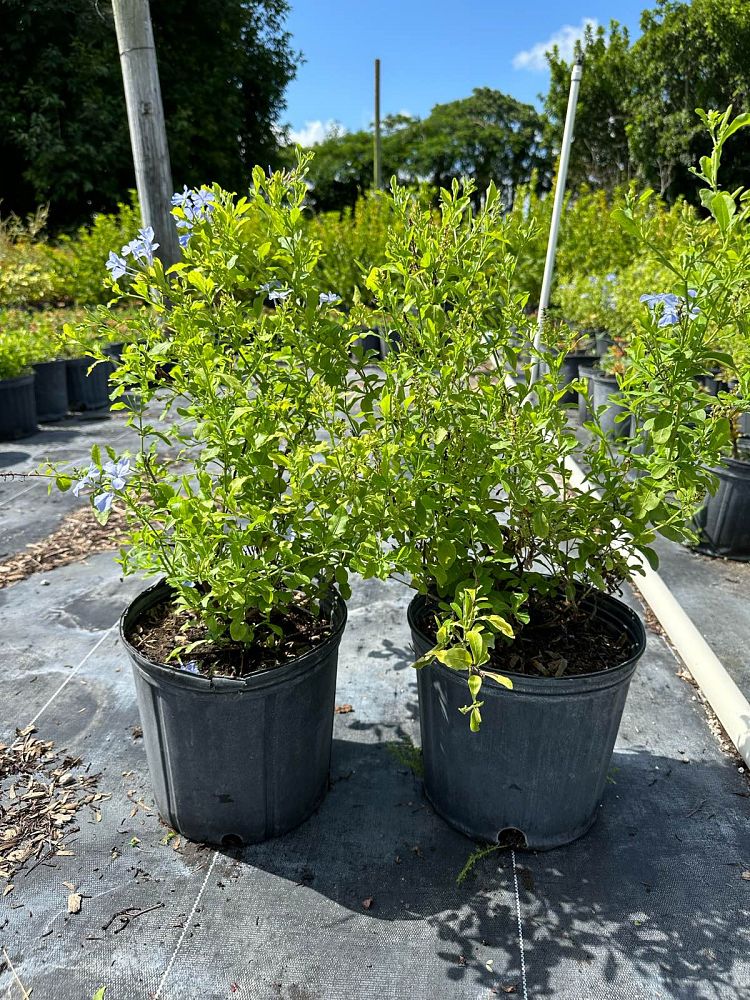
{"x":431,"y":51}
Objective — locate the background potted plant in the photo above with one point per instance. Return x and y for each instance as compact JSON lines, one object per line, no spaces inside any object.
{"x":515,"y":625}
{"x":713,"y":257}
{"x":17,"y":404}
{"x":236,"y":506}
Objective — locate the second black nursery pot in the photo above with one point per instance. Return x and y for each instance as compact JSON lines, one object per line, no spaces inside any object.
{"x":51,"y":390}
{"x":17,"y":408}
{"x":534,"y":774}
{"x":724,"y":519}
{"x":88,"y":390}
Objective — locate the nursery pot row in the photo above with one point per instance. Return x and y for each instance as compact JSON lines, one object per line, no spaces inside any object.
{"x":248,"y":759}
{"x":50,"y":392}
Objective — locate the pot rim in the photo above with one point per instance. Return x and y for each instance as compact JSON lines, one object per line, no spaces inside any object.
{"x":270,"y":677}
{"x":16,"y":380}
{"x":48,"y":361}
{"x":734,"y":468}
{"x":546,"y":686}
{"x":599,"y":376}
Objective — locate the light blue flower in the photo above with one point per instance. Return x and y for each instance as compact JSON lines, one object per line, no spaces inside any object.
{"x":117,"y":266}
{"x":203,"y":200}
{"x":328,"y":298}
{"x":103,"y":502}
{"x":119,"y":472}
{"x":89,"y":478}
{"x":183,"y":239}
{"x":279,"y":294}
{"x":179,"y":198}
{"x":611,"y":277}
{"x":672,"y":307}
{"x":191,"y":667}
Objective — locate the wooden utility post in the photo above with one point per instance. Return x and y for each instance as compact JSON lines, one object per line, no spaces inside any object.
{"x":377,"y":168}
{"x":148,"y":136}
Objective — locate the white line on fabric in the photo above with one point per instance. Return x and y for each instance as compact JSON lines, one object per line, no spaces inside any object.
{"x":520,"y":927}
{"x":185,"y":928}
{"x":72,"y":674}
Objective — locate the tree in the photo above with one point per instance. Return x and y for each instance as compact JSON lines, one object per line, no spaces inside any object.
{"x":223,"y":64}
{"x":636,"y":110}
{"x":487,"y":136}
{"x":690,"y":55}
{"x":600,"y":155}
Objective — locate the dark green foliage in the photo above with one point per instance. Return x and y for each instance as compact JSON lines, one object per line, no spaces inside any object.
{"x":600,"y":155}
{"x":636,"y":113}
{"x":224,"y":65}
{"x":487,"y":136}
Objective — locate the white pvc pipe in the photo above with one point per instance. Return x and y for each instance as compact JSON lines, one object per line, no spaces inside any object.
{"x":557,"y":206}
{"x":725,"y":698}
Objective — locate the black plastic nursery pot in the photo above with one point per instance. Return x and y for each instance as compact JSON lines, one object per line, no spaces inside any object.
{"x":371,"y":341}
{"x":603,"y":341}
{"x":569,"y":370}
{"x":17,"y":408}
{"x":237,"y":760}
{"x":585,"y":371}
{"x":114,"y":351}
{"x":724,"y":519}
{"x":603,"y":389}
{"x":534,"y":774}
{"x":88,"y":390}
{"x":51,"y":390}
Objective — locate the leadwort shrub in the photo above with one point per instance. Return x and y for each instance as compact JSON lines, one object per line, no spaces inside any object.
{"x":470,"y":472}
{"x":241,"y":502}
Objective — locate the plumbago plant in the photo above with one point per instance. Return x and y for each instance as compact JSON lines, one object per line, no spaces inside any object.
{"x":708,"y":298}
{"x":470,"y":472}
{"x":237,"y":494}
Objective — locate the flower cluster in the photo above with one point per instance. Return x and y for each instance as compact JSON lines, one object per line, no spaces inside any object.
{"x":672,"y":306}
{"x":141,"y":249}
{"x":195,"y":206}
{"x":274,"y":291}
{"x":104,"y":482}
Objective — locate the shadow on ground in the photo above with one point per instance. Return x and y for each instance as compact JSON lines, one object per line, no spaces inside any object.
{"x":633,"y":898}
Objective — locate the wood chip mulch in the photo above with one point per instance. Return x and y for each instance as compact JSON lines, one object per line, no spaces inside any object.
{"x":79,"y":535}
{"x":41,"y":791}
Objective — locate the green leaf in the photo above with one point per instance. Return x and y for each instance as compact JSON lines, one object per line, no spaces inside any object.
{"x":446,"y":552}
{"x":456,"y":658}
{"x":240,"y":631}
{"x":477,"y":645}
{"x":539,"y":523}
{"x":501,"y":625}
{"x":99,"y":995}
{"x":475,"y":720}
{"x":96,"y":455}
{"x":624,"y":219}
{"x":475,"y":685}
{"x":741,"y":121}
{"x":500,"y":678}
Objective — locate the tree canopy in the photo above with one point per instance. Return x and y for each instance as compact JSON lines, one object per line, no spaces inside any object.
{"x":636,"y":113}
{"x":223,"y":64}
{"x":487,"y":136}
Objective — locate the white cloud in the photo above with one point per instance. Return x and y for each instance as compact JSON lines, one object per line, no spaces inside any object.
{"x":565,"y":39}
{"x":314,"y":132}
